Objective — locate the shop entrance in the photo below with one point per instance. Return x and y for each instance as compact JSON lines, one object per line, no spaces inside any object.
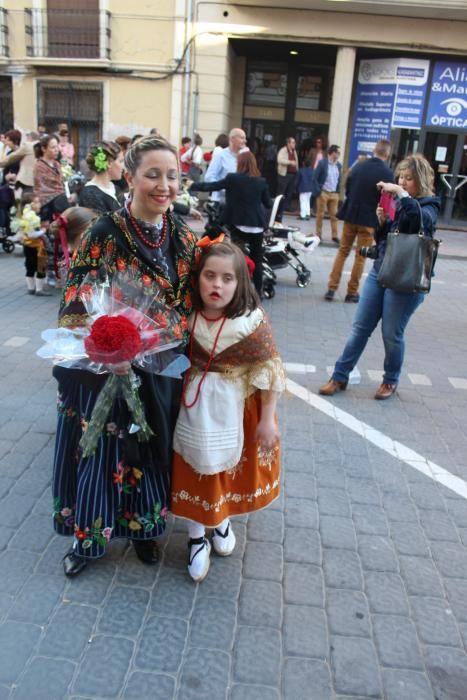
{"x":447,"y":153}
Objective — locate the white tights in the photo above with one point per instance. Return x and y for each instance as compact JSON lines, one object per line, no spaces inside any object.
{"x":196,"y":530}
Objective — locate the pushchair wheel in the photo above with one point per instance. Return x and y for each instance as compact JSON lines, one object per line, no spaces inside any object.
{"x":8,"y":246}
{"x":269,"y":292}
{"x":303,"y":278}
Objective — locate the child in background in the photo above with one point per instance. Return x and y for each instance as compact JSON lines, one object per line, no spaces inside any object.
{"x":67,"y":230}
{"x":226,"y":441}
{"x":304,"y":189}
{"x":27,"y":225}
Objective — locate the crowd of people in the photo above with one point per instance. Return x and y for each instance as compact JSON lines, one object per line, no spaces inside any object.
{"x":214,"y":447}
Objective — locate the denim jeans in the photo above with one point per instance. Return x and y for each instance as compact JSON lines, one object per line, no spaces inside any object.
{"x":395,"y":310}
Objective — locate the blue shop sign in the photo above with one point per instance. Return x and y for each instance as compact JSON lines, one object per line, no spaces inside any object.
{"x":447,"y":106}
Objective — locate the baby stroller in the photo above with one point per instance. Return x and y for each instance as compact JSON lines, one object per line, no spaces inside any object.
{"x":7,"y":200}
{"x":282,"y":249}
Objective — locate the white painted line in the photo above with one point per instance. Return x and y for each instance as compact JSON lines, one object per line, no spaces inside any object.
{"x":16,"y":341}
{"x":298,"y":368}
{"x":375,"y":374}
{"x":384,"y":442}
{"x":438,"y":282}
{"x":458,"y":382}
{"x":419,"y":379}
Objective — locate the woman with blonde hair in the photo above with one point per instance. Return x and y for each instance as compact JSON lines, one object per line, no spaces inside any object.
{"x":416,"y":208}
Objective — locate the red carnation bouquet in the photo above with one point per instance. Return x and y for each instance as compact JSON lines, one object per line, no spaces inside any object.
{"x":129,"y":326}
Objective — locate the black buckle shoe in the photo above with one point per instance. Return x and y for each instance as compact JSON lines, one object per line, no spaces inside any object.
{"x":73,"y":564}
{"x":147,"y":551}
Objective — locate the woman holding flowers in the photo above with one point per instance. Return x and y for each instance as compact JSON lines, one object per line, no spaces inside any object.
{"x":122,"y":490}
{"x":105,"y":160}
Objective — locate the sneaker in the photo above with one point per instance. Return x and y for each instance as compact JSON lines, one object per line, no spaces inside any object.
{"x":329,"y":296}
{"x":332,"y":387}
{"x":385,"y":391}
{"x":352,"y":298}
{"x":198,"y":558}
{"x":224,"y":544}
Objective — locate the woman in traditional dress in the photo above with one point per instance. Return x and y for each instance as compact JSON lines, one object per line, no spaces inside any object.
{"x":49,"y":185}
{"x":105,"y":161}
{"x":123,"y":489}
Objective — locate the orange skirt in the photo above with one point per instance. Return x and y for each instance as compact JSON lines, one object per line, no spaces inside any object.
{"x":251,"y":485}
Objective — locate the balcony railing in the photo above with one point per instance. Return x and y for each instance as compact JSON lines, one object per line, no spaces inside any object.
{"x":4,"y":48}
{"x":75,"y":34}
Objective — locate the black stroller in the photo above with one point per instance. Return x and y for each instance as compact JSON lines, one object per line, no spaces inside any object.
{"x":7,"y":200}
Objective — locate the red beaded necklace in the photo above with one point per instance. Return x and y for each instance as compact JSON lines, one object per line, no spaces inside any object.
{"x":147,"y":242}
{"x":208,"y":363}
{"x":211,"y":320}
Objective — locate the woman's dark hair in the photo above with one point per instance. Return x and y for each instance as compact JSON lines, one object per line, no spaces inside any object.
{"x":135,"y":138}
{"x":197,"y":140}
{"x":111,"y":149}
{"x":78,"y":220}
{"x":222,"y":141}
{"x":246,"y":163}
{"x":185,"y":140}
{"x":123,"y":142}
{"x":135,"y":152}
{"x":14,"y":135}
{"x":42,"y":144}
{"x":245,"y":298}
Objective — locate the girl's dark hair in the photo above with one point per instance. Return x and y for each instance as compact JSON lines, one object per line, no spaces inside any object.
{"x":222,"y":141}
{"x":245,"y":298}
{"x":78,"y":218}
{"x":42,"y":144}
{"x":185,"y":140}
{"x":135,"y":152}
{"x":246,"y":163}
{"x":110,"y":148}
{"x":14,"y":135}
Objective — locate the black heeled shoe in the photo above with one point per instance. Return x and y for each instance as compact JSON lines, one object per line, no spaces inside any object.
{"x":73,"y":564}
{"x":147,"y":551}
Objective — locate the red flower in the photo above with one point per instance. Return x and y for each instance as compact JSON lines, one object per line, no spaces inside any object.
{"x":70,"y":294}
{"x":128,"y":515}
{"x":161,"y":320}
{"x":113,"y":339}
{"x":147,"y":281}
{"x":121,"y":265}
{"x":80,"y":535}
{"x":177,"y":331}
{"x":132,"y":480}
{"x":95,"y":251}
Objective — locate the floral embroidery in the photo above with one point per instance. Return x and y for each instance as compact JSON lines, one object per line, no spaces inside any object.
{"x":98,"y":534}
{"x":226,"y":498}
{"x":266,"y":458}
{"x":147,"y":522}
{"x":127,"y":478}
{"x":63,"y":516}
{"x":63,"y":410}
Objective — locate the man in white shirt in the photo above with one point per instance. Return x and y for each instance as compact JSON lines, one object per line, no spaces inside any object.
{"x":225,"y":162}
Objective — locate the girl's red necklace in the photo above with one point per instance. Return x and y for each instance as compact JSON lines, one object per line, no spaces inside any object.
{"x":146,"y":241}
{"x":208,"y":363}
{"x":212,"y":320}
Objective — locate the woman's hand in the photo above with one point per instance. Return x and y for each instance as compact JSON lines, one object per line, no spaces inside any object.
{"x":121,"y":369}
{"x":195,"y":214}
{"x":390,"y":187}
{"x":381,"y":215}
{"x":267,"y":433}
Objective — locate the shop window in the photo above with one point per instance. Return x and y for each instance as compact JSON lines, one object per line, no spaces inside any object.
{"x":309,"y":92}
{"x":266,"y":85}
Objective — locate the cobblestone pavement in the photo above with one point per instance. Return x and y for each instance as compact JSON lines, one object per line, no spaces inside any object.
{"x":352,"y":585}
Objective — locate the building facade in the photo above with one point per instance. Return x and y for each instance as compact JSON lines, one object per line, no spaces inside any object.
{"x":349,"y":72}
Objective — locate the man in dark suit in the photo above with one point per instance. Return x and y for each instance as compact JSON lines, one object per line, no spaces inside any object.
{"x":359,"y":215}
{"x":326,"y":185}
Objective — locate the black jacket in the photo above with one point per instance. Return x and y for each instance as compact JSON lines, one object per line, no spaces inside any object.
{"x":247,"y":199}
{"x":320,"y":174}
{"x":361,"y":194}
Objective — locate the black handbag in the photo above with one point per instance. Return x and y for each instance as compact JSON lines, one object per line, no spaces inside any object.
{"x":409,"y":260}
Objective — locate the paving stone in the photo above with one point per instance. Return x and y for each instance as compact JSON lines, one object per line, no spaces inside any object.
{"x":302,"y":545}
{"x":300,"y":485}
{"x":447,"y":671}
{"x":409,"y":539}
{"x":91,"y":587}
{"x":4,"y":692}
{"x":45,"y":679}
{"x":173,"y":594}
{"x":15,"y":509}
{"x":124,"y":611}
{"x":17,"y":642}
{"x":264,"y":646}
{"x":6,"y":533}
{"x":435,"y":621}
{"x":439,"y":526}
{"x":213,"y":623}
{"x":427,"y":496}
{"x":386,"y":593}
{"x":266,"y":526}
{"x":364,"y":492}
{"x":260,"y":604}
{"x":332,"y":501}
{"x":32,"y":482}
{"x":149,"y":685}
{"x":253,"y":692}
{"x":400,"y":684}
{"x":38,"y":599}
{"x":300,"y":512}
{"x":15,"y":568}
{"x":225,"y":577}
{"x":457,"y":507}
{"x":342,"y":569}
{"x":377,"y":553}
{"x":161,"y":644}
{"x":420,"y":577}
{"x":110,"y":653}
{"x":134,"y":572}
{"x":69,"y":631}
{"x":337,"y":532}
{"x":450,"y":558}
{"x":51,"y":562}
{"x":369,"y":520}
{"x":303,"y":585}
{"x":457,"y":594}
{"x":328,"y":474}
{"x":34,"y":534}
{"x":175,"y":553}
{"x":298,"y":460}
{"x":263,"y":561}
{"x":355,"y":666}
{"x":400,"y":508}
{"x":396,"y":641}
{"x":212,"y":682}
{"x":348,"y":613}
{"x":300,"y":676}
{"x":305,"y":632}
{"x":32,"y":442}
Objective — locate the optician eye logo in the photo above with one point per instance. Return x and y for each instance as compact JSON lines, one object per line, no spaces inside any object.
{"x":454,"y":105}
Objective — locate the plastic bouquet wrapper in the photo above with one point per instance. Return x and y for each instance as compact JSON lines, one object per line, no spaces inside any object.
{"x":128,"y":326}
{"x":184,"y":197}
{"x":25,"y":224}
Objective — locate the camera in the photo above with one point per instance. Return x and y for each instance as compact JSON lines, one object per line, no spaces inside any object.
{"x":369,"y":251}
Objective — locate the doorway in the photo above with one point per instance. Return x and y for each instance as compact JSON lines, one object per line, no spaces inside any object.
{"x":447,"y":153}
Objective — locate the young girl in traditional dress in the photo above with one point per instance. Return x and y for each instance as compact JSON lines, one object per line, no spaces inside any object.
{"x":226,"y":441}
